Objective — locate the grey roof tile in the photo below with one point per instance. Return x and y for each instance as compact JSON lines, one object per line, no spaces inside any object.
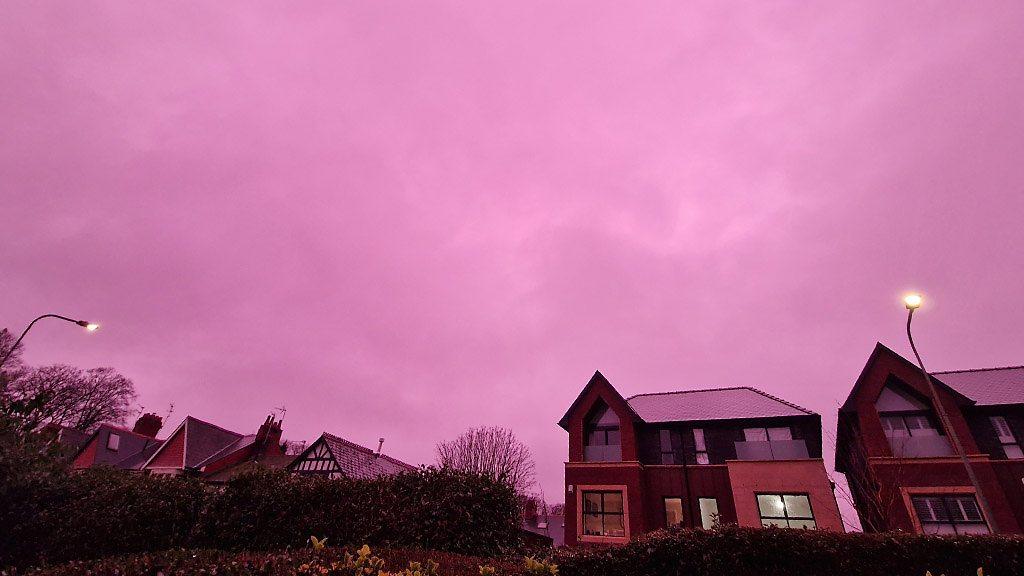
{"x":715,"y":404}
{"x":360,"y":462}
{"x":987,"y":386}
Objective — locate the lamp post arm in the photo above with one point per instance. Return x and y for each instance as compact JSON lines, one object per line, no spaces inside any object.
{"x":944,"y":419}
{"x":29,"y":327}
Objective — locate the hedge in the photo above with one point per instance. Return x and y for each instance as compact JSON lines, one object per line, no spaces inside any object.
{"x":737,"y":551}
{"x":286,"y":563}
{"x":102,"y":512}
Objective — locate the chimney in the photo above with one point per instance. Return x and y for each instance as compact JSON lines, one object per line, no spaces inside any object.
{"x":148,"y":425}
{"x":268,"y":438}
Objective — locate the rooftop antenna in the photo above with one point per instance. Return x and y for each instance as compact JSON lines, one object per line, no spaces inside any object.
{"x":170,"y":410}
{"x":282,"y":411}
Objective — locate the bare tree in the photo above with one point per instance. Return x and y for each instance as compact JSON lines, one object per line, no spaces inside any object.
{"x":874,"y":498}
{"x":72,"y":397}
{"x":14,"y":365}
{"x":492,"y":451}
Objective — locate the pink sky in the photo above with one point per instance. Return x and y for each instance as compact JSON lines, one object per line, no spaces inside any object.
{"x":405,"y":219}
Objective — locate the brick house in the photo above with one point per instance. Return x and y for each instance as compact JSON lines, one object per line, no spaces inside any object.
{"x":119,"y":447}
{"x":334,"y":456}
{"x":901,"y":467}
{"x":217,"y":454}
{"x":694,"y":458}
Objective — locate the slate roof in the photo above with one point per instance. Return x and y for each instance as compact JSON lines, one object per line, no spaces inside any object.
{"x":358,"y":461}
{"x":203,"y":440}
{"x":987,"y":386}
{"x":714,"y":404}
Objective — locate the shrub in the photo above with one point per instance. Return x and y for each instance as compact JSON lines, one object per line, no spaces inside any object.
{"x":326,"y":562}
{"x":770,"y":551}
{"x":101,"y":512}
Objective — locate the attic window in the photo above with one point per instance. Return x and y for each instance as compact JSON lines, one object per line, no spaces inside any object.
{"x":602,"y":440}
{"x":113,"y":441}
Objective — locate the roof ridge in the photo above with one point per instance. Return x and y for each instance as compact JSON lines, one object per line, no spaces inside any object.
{"x":690,"y":391}
{"x":777,"y":399}
{"x":369,"y":451}
{"x":211,"y":425}
{"x":977,"y":370}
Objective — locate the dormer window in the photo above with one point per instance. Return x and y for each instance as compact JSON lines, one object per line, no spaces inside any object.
{"x":602,"y":437}
{"x":909,"y":424}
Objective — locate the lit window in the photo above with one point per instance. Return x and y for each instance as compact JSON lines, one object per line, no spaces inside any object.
{"x":113,"y":441}
{"x":708,"y":512}
{"x":786,"y":510}
{"x":700,"y":446}
{"x":673,"y":511}
{"x":603,"y":514}
{"x":1010,"y":445}
{"x":949,"y":514}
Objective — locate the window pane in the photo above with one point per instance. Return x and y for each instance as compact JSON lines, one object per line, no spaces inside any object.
{"x":780,"y":522}
{"x":591,"y":501}
{"x":965,"y":508}
{"x":894,"y":426}
{"x":755,"y":434}
{"x":613,"y":437}
{"x":1002,"y":429}
{"x":666,"y":440}
{"x":698,"y":439}
{"x":1013,"y":451}
{"x":808,"y":524}
{"x":673,"y":511}
{"x":592,"y":524}
{"x":972,"y":529}
{"x":770,"y":506}
{"x":921,"y":426}
{"x":929,"y":508}
{"x":595,"y":438}
{"x":708,"y":512}
{"x":613,"y":525}
{"x":702,"y":458}
{"x":797,"y":506}
{"x":613,"y":501}
{"x":113,"y":442}
{"x":780,"y":434}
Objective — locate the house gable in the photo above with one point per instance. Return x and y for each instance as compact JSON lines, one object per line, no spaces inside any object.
{"x":599,"y":391}
{"x":171,"y":455}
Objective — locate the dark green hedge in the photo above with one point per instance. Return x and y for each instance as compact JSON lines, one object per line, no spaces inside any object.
{"x":736,"y":551}
{"x":104,"y":512}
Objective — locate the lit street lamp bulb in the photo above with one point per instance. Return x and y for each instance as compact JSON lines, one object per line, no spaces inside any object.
{"x":91,"y":327}
{"x":912,"y":301}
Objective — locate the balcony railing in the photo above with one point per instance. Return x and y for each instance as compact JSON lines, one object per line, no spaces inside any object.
{"x":920,"y":446}
{"x":602,"y":453}
{"x":772,"y":450}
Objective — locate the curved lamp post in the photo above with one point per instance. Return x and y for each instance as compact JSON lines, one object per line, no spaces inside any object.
{"x":913,"y":302}
{"x":87,"y":325}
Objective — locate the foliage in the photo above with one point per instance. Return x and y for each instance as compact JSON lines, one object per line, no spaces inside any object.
{"x":492,"y":451}
{"x":69,"y":396}
{"x":770,"y":551}
{"x":100,"y":512}
{"x":324,"y":562}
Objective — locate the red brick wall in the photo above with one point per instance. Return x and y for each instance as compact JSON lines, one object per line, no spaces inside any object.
{"x":87,"y":456}
{"x":172,"y":454}
{"x":601,"y":390}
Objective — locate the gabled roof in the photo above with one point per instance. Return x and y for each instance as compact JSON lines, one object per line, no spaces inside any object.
{"x":882,"y":349}
{"x":360,"y":462}
{"x":132,"y":444}
{"x":202,"y":440}
{"x":987,"y":386}
{"x":138,"y":459}
{"x":713,"y":404}
{"x":596,"y":380}
{"x":355,"y":461}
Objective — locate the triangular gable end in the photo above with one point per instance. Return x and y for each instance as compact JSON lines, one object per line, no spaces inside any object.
{"x":597,"y":380}
{"x":882,"y":350}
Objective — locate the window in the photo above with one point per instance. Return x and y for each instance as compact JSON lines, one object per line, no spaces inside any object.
{"x":673,"y":511}
{"x":113,"y":441}
{"x":1010,"y":445}
{"x":908,"y":424}
{"x":708,"y":512}
{"x":957,"y":514}
{"x":786,"y":510}
{"x":602,"y":437}
{"x":700,"y":446}
{"x":767,"y":434}
{"x":668,"y":453}
{"x":602,"y":514}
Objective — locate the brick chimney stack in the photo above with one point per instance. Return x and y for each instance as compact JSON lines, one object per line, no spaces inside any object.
{"x":268,"y":438}
{"x":148,"y":425}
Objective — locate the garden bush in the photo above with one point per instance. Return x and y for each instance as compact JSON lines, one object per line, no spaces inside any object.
{"x":101,"y":512}
{"x":737,"y":551}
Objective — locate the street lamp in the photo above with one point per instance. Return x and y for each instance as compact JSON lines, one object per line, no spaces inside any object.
{"x":913,"y":302}
{"x":89,"y":326}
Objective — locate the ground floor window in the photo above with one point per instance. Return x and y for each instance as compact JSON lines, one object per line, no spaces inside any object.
{"x":673,"y":511}
{"x":786,"y":510}
{"x":708,"y":512}
{"x":603,"y":514}
{"x":954,"y":514}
